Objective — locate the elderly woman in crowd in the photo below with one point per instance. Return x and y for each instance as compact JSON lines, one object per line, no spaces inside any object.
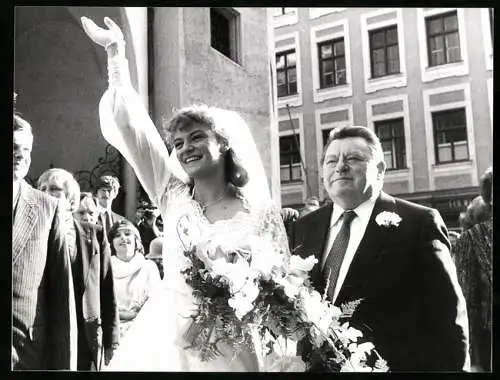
{"x":96,"y":308}
{"x":474,"y":259}
{"x":135,"y":276}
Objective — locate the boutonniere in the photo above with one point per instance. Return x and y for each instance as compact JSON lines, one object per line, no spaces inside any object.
{"x":387,"y":219}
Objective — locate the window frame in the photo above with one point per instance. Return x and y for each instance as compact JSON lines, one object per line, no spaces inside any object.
{"x":452,"y":169}
{"x":233,"y":18}
{"x":443,"y":34}
{"x":286,"y":69}
{"x":444,"y":113}
{"x":295,"y":137}
{"x":338,"y":29}
{"x":394,"y":139}
{"x":456,"y":69}
{"x":386,"y":48}
{"x":370,"y":23}
{"x":334,"y":58}
{"x":296,"y":99}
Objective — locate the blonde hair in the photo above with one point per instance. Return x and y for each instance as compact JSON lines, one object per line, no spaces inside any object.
{"x":70,"y":186}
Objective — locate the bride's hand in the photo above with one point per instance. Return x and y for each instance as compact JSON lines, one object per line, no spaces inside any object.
{"x":101,"y":36}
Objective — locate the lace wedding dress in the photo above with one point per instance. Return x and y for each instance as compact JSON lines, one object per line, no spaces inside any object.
{"x":155,"y":341}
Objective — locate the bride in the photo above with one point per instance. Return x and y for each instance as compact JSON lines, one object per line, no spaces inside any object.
{"x":212,"y":192}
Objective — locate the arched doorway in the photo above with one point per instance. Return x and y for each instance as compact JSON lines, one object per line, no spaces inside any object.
{"x":60,"y":75}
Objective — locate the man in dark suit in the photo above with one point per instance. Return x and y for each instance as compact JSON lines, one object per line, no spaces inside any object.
{"x":90,"y":253}
{"x":44,"y":332}
{"x":106,"y":191}
{"x":392,"y":254}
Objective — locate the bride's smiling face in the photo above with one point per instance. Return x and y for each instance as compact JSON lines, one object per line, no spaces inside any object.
{"x":198,"y":149}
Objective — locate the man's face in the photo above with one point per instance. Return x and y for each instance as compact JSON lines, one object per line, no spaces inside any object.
{"x":87,"y":211}
{"x":106,"y":196}
{"x":21,"y":153}
{"x":54,"y":186}
{"x":350,"y":172}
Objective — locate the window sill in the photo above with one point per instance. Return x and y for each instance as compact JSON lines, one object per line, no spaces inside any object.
{"x":292,"y":100}
{"x":387,"y":81}
{"x":447,"y":65}
{"x":397,"y":174}
{"x":456,"y":166}
{"x":341,"y":91}
{"x":292,"y":187}
{"x":234,"y":62}
{"x":313,"y":14}
{"x":397,"y":171}
{"x":432,"y":73}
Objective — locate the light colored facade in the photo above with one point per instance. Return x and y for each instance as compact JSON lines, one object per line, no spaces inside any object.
{"x":422,"y":78}
{"x":60,"y":75}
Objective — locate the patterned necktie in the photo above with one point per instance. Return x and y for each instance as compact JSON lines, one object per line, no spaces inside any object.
{"x":337,"y":253}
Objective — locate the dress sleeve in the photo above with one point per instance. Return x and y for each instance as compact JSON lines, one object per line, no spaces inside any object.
{"x":126,"y":125}
{"x":271,"y":222}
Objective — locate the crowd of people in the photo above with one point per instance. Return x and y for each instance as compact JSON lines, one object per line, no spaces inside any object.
{"x":92,"y":290}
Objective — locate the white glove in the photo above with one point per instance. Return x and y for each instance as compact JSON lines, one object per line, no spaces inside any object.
{"x":101,"y":36}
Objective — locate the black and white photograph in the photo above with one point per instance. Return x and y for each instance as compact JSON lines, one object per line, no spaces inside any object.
{"x":248,"y":189}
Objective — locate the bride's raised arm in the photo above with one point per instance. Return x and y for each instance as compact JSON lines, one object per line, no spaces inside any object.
{"x":125,"y":122}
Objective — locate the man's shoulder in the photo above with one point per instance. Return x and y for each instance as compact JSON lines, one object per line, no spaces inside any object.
{"x":320,"y":214}
{"x":38,"y":197}
{"x":412,"y":207}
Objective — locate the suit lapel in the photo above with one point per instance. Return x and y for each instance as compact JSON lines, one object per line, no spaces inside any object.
{"x":24,"y":220}
{"x":370,"y":247}
{"x":316,"y":234}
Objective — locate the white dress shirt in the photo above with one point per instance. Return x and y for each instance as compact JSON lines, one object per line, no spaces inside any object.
{"x":358,"y":228}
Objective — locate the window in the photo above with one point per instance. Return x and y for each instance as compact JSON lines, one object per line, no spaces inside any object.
{"x":332,"y":70}
{"x":384,"y":51}
{"x":392,"y":137}
{"x":286,"y":73}
{"x":290,"y":162}
{"x":224,"y":32}
{"x":443,"y":42}
{"x":450,"y":136}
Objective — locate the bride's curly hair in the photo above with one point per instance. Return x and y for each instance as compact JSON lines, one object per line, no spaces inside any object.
{"x":236,"y":174}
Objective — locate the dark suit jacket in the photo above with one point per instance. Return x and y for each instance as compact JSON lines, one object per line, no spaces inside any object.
{"x":44,"y":330}
{"x":413,"y":309}
{"x":98,"y":307}
{"x":114,"y":218}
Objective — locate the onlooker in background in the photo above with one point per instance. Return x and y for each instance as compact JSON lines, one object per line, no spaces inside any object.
{"x":106,"y":191}
{"x":96,"y":308}
{"x":147,"y":225}
{"x":88,"y":210}
{"x":155,"y":253}
{"x":289,"y":216}
{"x":477,"y":211}
{"x":44,"y":330}
{"x":311,"y":204}
{"x":135,"y":277}
{"x":474,"y":262}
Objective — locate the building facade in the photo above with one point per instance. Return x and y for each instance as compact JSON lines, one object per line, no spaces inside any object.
{"x":177,"y":56}
{"x":421,"y":78}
